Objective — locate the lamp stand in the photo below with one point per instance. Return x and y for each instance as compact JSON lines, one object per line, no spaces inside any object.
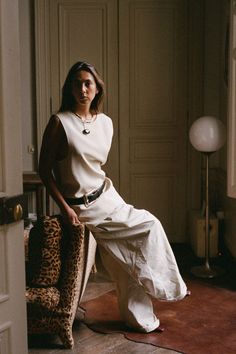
{"x":207,"y":271}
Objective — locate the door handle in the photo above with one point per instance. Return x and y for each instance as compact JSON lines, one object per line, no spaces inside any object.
{"x":13,"y":209}
{"x":17,"y":212}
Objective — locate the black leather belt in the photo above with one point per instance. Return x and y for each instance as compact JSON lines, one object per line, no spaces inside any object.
{"x":86,"y":199}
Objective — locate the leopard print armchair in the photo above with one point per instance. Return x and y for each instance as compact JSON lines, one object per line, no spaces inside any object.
{"x":59,"y":261}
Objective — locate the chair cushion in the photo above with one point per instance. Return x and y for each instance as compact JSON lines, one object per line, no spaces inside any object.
{"x":44,"y":256}
{"x":46,"y":297}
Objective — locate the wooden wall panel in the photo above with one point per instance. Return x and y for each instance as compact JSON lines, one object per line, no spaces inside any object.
{"x":151,"y":71}
{"x":152,"y":150}
{"x":5,"y":345}
{"x":153,"y":109}
{"x":148,"y":189}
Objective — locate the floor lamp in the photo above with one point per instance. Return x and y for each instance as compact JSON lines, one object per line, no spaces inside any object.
{"x":207,"y":135}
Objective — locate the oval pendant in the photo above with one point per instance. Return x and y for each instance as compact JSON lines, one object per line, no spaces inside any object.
{"x":86,"y":131}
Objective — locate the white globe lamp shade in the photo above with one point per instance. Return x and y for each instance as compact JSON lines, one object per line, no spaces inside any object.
{"x":207,"y":134}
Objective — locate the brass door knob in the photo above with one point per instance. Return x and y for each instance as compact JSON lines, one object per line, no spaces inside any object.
{"x":17,"y":212}
{"x":13,"y":209}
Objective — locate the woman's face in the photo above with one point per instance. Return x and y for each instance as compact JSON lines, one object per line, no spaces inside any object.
{"x":84,"y":88}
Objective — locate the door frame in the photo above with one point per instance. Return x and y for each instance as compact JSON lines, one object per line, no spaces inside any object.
{"x":13,"y":324}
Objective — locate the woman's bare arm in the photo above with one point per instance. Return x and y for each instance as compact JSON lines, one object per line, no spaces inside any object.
{"x":52,"y":143}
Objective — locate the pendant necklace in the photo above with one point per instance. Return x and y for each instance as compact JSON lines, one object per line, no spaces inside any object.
{"x":85,"y":131}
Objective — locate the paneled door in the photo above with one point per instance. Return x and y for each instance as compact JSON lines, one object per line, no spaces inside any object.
{"x":153,"y":109}
{"x":13,"y":334}
{"x":141,"y":49}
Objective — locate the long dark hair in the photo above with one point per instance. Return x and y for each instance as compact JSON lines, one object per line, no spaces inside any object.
{"x":68,"y":101}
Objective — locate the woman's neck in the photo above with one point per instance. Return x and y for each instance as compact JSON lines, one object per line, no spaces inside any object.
{"x":85,"y":113}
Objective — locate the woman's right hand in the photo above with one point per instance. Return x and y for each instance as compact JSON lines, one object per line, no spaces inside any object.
{"x":70,"y":217}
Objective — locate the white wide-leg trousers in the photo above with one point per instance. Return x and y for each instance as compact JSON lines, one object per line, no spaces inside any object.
{"x":136,"y":253}
{"x":135,"y":304}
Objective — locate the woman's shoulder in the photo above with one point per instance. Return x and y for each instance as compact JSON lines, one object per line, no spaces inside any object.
{"x":62,"y":114}
{"x":54,"y":121}
{"x":104,"y":118}
{"x":54,"y":130}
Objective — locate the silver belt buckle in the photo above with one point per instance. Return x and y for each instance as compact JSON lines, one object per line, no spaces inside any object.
{"x":86,"y":200}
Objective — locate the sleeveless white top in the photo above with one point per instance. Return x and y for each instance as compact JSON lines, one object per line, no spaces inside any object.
{"x":80,"y":171}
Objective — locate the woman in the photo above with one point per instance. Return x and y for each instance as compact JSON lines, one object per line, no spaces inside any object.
{"x":132,"y":243}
